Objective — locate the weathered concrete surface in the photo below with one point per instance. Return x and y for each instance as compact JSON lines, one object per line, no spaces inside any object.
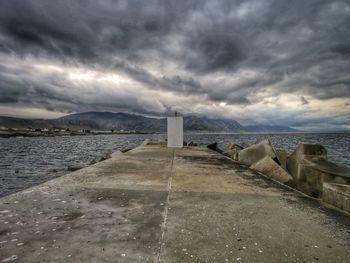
{"x":256,"y":152}
{"x":156,"y":204}
{"x":282,"y":157}
{"x":310,"y":169}
{"x":270,"y":168}
{"x":233,"y":154}
{"x":337,"y":195}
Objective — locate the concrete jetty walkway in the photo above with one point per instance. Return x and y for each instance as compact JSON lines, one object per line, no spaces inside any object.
{"x":155,"y":204}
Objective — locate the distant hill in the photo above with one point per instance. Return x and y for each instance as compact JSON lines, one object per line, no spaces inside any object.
{"x":132,"y":122}
{"x":194,"y":123}
{"x":10,"y":122}
{"x":111,"y":121}
{"x":268,"y":128}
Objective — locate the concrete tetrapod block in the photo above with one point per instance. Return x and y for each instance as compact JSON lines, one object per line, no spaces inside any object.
{"x":303,"y":151}
{"x":233,"y":145}
{"x":310,"y":169}
{"x":232,"y":150}
{"x":256,"y":152}
{"x":337,"y":195}
{"x":233,"y":154}
{"x":270,"y":168}
{"x":282,"y":157}
{"x":215,"y":147}
{"x":310,"y":179}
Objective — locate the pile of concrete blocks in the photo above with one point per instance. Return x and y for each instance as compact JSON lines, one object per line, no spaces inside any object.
{"x":263,"y":158}
{"x":256,"y":152}
{"x":307,"y":168}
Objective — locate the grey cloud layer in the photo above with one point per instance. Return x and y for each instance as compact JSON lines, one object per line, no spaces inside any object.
{"x":300,"y":47}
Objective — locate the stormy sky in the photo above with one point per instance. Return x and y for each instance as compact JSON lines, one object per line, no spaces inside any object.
{"x":275,"y":62}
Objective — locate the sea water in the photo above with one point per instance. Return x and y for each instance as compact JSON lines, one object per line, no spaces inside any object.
{"x":25,"y":162}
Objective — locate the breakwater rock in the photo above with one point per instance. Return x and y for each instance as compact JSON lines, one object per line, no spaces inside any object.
{"x":307,"y":169}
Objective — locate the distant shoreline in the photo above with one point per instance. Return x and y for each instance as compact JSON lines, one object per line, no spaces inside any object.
{"x":268,"y":132}
{"x":21,"y":133}
{"x":25,"y":133}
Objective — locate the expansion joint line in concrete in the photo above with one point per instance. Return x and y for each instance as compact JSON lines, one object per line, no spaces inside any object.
{"x":166,"y":208}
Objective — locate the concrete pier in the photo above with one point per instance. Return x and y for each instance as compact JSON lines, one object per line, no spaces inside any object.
{"x":159,"y":204}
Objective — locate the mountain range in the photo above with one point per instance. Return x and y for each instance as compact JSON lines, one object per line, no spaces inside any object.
{"x":131,"y":122}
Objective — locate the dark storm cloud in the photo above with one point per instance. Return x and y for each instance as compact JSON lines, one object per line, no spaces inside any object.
{"x":299,"y":47}
{"x":83,"y":30}
{"x":186,"y":85}
{"x":53,"y":93}
{"x":215,"y":51}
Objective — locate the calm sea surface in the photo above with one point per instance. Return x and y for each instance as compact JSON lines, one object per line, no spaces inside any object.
{"x":25,"y":162}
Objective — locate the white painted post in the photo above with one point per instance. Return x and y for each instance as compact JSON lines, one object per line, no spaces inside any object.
{"x":175,"y":132}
